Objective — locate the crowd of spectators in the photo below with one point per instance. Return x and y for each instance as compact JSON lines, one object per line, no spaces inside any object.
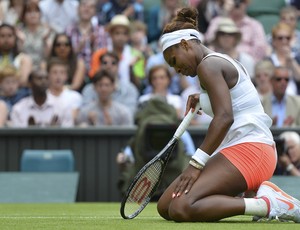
{"x":85,"y":63}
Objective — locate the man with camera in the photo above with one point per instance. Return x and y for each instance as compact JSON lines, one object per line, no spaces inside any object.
{"x":288,"y":150}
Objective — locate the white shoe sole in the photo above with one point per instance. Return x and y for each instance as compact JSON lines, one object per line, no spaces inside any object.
{"x":284,"y":196}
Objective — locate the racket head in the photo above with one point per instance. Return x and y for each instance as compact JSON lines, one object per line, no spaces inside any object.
{"x":145,"y":183}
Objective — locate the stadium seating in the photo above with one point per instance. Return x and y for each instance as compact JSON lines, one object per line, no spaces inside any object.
{"x":259,"y":7}
{"x":47,"y":161}
{"x":268,"y":21}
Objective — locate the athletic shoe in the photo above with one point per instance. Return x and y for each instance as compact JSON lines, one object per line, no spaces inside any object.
{"x":281,"y":205}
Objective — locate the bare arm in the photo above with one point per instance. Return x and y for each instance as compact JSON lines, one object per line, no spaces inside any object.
{"x":25,"y":69}
{"x":3,"y":113}
{"x":211,"y":76}
{"x":79,"y":75}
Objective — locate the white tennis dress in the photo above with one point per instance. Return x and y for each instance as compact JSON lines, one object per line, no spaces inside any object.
{"x":251,"y":123}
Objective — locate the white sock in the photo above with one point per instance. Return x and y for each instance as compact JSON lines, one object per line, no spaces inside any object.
{"x":255,"y":207}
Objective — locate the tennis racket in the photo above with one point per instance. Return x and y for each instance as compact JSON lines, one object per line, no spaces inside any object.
{"x":145,"y":183}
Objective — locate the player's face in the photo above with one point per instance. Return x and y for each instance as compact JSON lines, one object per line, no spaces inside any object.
{"x":181,"y":58}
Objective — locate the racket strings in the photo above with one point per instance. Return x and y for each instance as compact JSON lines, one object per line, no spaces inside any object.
{"x":143,"y":189}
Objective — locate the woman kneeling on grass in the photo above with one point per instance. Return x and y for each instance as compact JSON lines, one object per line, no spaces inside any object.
{"x":238,"y":153}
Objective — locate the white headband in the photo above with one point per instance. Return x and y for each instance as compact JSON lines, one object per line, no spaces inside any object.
{"x":175,"y":37}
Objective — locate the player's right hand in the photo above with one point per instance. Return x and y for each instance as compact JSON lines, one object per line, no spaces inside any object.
{"x":186,"y":181}
{"x":192,"y":101}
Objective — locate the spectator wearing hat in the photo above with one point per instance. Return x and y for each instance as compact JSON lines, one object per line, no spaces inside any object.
{"x":253,"y":40}
{"x":132,"y":61}
{"x":227,"y":39}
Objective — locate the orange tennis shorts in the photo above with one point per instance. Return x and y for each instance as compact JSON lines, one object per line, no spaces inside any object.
{"x":256,"y":161}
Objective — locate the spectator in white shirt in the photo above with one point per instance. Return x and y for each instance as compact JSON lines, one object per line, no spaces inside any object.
{"x":59,"y":14}
{"x":58,"y":74}
{"x":39,"y":109}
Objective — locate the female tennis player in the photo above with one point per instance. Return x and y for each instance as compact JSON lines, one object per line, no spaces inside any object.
{"x":238,"y":153}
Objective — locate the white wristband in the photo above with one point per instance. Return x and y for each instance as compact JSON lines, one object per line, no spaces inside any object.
{"x":201,"y":157}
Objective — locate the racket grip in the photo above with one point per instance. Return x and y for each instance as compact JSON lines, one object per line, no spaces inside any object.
{"x":186,"y":121}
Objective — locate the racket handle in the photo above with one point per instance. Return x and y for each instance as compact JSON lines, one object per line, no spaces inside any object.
{"x":186,"y":121}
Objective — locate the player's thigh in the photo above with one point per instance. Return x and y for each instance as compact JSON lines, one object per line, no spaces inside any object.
{"x":220,"y":177}
{"x":166,"y":198}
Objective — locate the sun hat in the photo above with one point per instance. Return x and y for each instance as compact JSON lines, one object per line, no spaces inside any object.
{"x":227,"y":25}
{"x":118,"y":20}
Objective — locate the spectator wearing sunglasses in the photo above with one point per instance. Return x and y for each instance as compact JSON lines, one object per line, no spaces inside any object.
{"x":282,"y":54}
{"x":132,"y":61}
{"x":289,"y":15}
{"x":63,"y":49}
{"x":283,"y":108}
{"x":126,"y":94}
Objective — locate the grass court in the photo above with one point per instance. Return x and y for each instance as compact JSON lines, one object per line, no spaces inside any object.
{"x":106,"y":216}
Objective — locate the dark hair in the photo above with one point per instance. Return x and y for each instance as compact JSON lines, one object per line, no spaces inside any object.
{"x":15,"y":50}
{"x":102,"y":74}
{"x":56,"y":61}
{"x":186,"y":18}
{"x":29,"y":7}
{"x":158,"y":67}
{"x":110,"y":54}
{"x":72,"y":57}
{"x":34,"y":73}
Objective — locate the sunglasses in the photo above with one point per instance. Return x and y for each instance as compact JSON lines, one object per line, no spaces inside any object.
{"x":62,"y":44}
{"x":278,"y":79}
{"x":112,"y":63}
{"x":281,"y":38}
{"x":222,"y":33}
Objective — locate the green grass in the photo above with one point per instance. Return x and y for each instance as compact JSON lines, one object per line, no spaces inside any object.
{"x":106,"y":216}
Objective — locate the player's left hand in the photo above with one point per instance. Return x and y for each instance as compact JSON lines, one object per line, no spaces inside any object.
{"x":186,"y":181}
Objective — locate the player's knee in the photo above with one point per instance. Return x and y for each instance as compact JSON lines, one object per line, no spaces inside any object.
{"x":163,"y":210}
{"x":187,"y":212}
{"x":179,"y":212}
